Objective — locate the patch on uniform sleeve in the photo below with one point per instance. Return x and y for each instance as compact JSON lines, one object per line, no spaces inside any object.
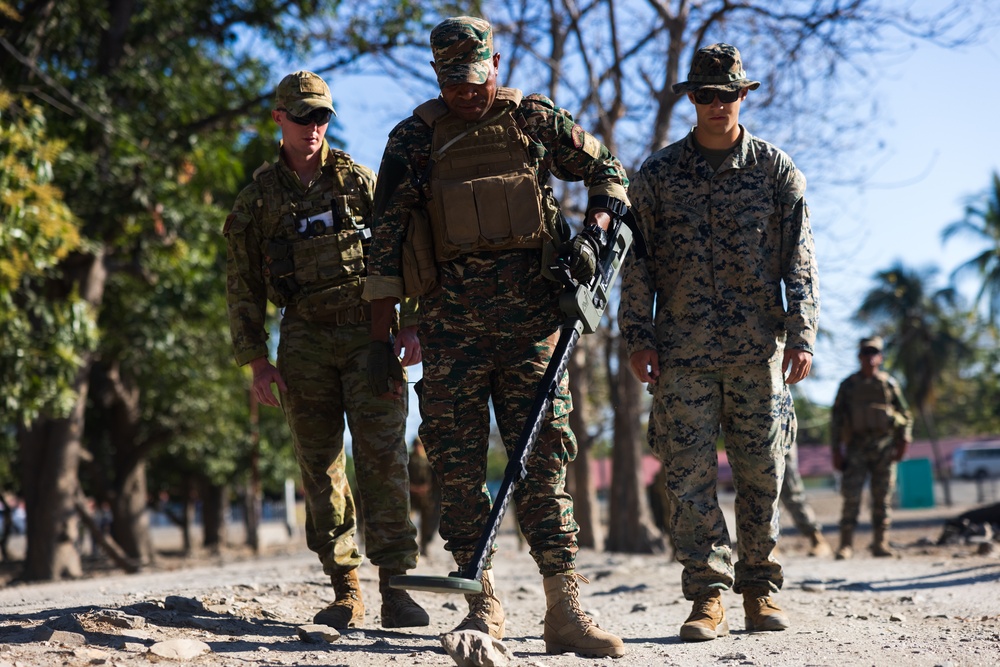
{"x":229,"y":223}
{"x":586,"y":141}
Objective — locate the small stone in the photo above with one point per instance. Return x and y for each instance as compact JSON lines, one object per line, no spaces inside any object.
{"x":315,"y":634}
{"x":896,"y":617}
{"x":180,"y":649}
{"x":471,"y":648}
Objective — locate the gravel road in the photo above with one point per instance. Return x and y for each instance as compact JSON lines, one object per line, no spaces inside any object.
{"x":930,"y":606}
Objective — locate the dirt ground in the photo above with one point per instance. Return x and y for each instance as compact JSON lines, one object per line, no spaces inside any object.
{"x":933,"y":605}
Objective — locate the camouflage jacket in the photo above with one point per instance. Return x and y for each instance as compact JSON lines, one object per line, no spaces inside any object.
{"x":870,"y":408}
{"x":720,"y":246}
{"x":247,"y":286}
{"x":559,"y":147}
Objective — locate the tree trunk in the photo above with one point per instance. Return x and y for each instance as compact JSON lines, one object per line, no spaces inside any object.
{"x":130,"y":518}
{"x":252,"y":492}
{"x":631,"y":528}
{"x":579,"y":481}
{"x":214,"y":506}
{"x":51,"y":450}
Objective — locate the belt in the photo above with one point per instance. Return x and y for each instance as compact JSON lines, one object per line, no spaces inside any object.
{"x":352,"y":315}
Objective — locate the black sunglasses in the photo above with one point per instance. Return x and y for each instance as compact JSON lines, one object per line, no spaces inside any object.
{"x":870,"y":351}
{"x":706,"y":95}
{"x":318,"y":116}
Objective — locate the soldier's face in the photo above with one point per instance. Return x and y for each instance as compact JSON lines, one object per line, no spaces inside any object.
{"x":870,"y":361}
{"x":718,"y":118}
{"x":471,"y":101}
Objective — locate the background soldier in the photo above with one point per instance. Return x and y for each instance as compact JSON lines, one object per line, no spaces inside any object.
{"x":297,"y":237}
{"x":727,"y":228}
{"x":425,"y":494}
{"x":793,"y":495}
{"x":490,"y":324}
{"x":871,"y":426}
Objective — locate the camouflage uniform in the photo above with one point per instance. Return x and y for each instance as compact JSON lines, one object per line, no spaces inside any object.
{"x":871,"y":417}
{"x":792,"y":489}
{"x":487,"y":332}
{"x":720,"y":245}
{"x":322,"y":351}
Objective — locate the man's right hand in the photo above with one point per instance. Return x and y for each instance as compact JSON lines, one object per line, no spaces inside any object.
{"x":264,"y":375}
{"x":584,"y":251}
{"x":645,"y":365}
{"x":385,"y":372}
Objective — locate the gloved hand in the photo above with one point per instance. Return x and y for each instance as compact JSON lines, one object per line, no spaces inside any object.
{"x":384,"y":369}
{"x":584,"y":250}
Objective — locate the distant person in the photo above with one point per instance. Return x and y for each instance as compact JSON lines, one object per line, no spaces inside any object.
{"x":298,"y":237}
{"x":870,"y":425}
{"x":793,"y":495}
{"x":425,"y":494}
{"x":727,"y":227}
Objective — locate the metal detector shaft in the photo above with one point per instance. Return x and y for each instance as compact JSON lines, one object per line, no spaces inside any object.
{"x":516,"y":469}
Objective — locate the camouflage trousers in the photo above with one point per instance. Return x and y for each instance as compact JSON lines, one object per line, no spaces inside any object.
{"x":868,"y":457}
{"x":324,"y":367}
{"x":793,"y":495}
{"x":691,"y":406}
{"x":487,"y":337}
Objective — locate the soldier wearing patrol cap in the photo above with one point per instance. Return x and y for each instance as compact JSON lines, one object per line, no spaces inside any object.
{"x":727,"y":228}
{"x":870,"y":431}
{"x":464,"y":217}
{"x":297,"y":237}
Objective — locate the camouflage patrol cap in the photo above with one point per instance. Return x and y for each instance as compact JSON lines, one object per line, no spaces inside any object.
{"x":716,"y":66}
{"x":874,"y":342}
{"x":463,"y":47}
{"x":301,"y":92}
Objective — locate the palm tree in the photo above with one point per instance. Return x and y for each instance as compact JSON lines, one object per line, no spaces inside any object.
{"x":924,"y":330}
{"x":982,"y":221}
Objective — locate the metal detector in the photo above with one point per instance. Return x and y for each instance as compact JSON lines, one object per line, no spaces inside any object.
{"x":584,"y":305}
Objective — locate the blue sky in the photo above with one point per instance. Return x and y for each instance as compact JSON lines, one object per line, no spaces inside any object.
{"x":940,"y":124}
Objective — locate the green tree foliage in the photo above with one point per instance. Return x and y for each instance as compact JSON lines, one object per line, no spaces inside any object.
{"x":41,"y":338}
{"x":982,"y":222}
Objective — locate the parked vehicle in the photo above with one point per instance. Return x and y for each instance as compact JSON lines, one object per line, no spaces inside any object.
{"x":978,"y":461}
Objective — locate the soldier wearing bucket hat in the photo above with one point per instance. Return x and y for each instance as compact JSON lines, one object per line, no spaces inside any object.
{"x":468,"y":173}
{"x":870,"y":428}
{"x":297,"y":237}
{"x":725,"y":217}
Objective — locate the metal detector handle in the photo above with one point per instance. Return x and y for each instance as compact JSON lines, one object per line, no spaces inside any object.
{"x":516,"y":469}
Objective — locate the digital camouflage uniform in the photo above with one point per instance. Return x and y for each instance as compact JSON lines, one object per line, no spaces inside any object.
{"x":871,"y":417}
{"x":312,"y":237}
{"x":720,"y":244}
{"x":488,"y":332}
{"x":793,"y":493}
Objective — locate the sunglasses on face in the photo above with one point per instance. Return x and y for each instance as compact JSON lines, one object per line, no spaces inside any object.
{"x":706,"y":95}
{"x":318,"y":116}
{"x":870,"y":351}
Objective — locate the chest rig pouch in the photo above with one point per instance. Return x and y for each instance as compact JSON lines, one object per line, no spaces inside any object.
{"x":484,"y":191}
{"x":871,"y":408}
{"x":316,"y":245}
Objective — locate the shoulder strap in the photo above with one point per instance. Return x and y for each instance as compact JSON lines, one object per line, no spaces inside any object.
{"x":431,"y":111}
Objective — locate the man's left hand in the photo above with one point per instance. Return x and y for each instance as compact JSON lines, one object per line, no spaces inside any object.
{"x":795,"y":365}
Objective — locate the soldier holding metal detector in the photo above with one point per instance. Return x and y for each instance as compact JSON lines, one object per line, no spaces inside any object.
{"x":464,"y":219}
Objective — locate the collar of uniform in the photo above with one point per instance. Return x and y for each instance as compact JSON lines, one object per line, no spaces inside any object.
{"x":743,"y":156}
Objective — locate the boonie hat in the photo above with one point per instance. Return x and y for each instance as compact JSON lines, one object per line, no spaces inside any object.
{"x":463,"y":47}
{"x":302,"y":92}
{"x":873,"y":342}
{"x":716,"y":66}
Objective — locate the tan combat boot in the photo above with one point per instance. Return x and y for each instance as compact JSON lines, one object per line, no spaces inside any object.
{"x":347,"y":610}
{"x":707,"y":619}
{"x":485,"y":613}
{"x":846,"y":549}
{"x":818,"y":546}
{"x":762,"y":614}
{"x":398,"y":608}
{"x":880,"y":543}
{"x":567,"y":628}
